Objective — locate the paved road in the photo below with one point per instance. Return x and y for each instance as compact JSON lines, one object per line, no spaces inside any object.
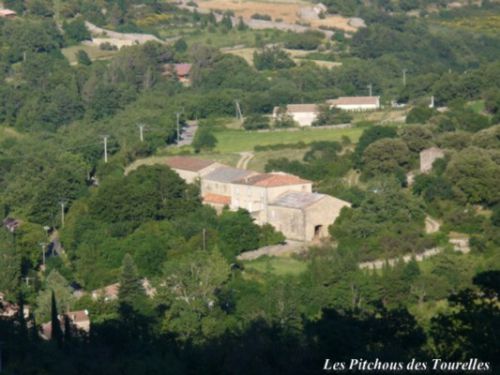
{"x":188,"y":133}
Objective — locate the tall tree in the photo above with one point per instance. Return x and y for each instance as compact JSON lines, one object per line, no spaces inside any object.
{"x":131,"y":291}
{"x":57,"y":334}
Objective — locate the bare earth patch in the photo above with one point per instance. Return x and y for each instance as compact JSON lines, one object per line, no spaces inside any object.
{"x":287,"y":11}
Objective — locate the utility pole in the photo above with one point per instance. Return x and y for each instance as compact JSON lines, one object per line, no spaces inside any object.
{"x":178,"y":114}
{"x":141,"y":132}
{"x":239,"y":115}
{"x":62,"y":203}
{"x":370,"y":87}
{"x":204,"y":239}
{"x":105,"y":138}
{"x":404,"y":76}
{"x":27,"y":280}
{"x":43,"y":244}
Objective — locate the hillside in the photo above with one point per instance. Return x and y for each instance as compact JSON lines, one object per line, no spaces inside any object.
{"x":248,"y":187}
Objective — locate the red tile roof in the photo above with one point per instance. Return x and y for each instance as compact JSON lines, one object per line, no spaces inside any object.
{"x":182,"y":70}
{"x":188,"y":164}
{"x":78,"y":316}
{"x":272,"y":180}
{"x":217,"y":199}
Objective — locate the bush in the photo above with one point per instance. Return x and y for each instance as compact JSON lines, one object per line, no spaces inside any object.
{"x":258,"y":16}
{"x":419,"y":115}
{"x":256,"y":122}
{"x":204,"y":140}
{"x":83,"y":58}
{"x":107,"y":46}
{"x":308,"y":40}
{"x":272,"y":58}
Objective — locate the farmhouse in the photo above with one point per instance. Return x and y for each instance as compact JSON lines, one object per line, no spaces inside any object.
{"x":302,"y":216}
{"x":355,"y":103}
{"x":280,"y":199}
{"x":191,"y":169}
{"x":303,"y":114}
{"x":254,"y":192}
{"x":7,"y":13}
{"x":181,"y":71}
{"x":428,"y":157}
{"x":216,"y":186}
{"x":110,"y":292}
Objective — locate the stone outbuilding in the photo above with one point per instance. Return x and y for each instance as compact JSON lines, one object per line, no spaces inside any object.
{"x":302,"y":216}
{"x":428,"y":157}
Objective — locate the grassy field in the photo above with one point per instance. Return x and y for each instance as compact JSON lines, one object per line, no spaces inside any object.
{"x":237,"y":140}
{"x":6,"y":132}
{"x":296,"y":55}
{"x":281,"y":266}
{"x":228,"y":159}
{"x":477,"y":106}
{"x":484,"y":23}
{"x":260,"y":159}
{"x":220,"y":39}
{"x":94,"y":52}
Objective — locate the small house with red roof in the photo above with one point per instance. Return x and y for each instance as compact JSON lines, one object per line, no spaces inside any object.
{"x":181,"y":71}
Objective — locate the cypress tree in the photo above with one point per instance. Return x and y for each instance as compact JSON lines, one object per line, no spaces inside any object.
{"x":131,"y":291}
{"x":57,"y":334}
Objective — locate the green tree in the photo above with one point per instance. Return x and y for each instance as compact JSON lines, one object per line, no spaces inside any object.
{"x":385,"y":156}
{"x":420,"y":115}
{"x":255,"y":122}
{"x":237,"y":233}
{"x":10,"y":264}
{"x":57,"y":334}
{"x":475,"y":174}
{"x":76,"y":31}
{"x":369,"y":136}
{"x":55,"y":285}
{"x":204,"y":140}
{"x":83,"y":58}
{"x":272,"y":58}
{"x":131,"y":291}
{"x":190,"y":288}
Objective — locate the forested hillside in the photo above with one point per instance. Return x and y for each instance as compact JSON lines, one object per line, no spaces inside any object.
{"x":79,"y":108}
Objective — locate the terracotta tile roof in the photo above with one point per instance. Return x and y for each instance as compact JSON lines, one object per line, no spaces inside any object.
{"x":78,"y":316}
{"x":182,"y":70}
{"x":217,"y":199}
{"x":355,"y":100}
{"x":272,"y":180}
{"x":188,"y":164}
{"x":108,"y":292}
